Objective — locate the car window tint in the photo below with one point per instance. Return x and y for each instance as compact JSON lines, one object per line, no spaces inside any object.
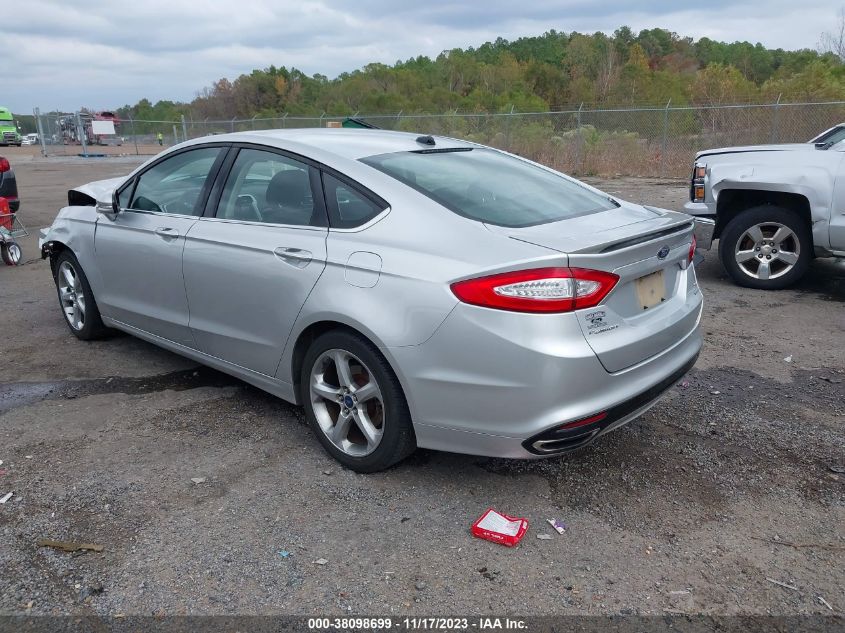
{"x":268,"y":187}
{"x":348,"y":207}
{"x":492,"y":187}
{"x":832,"y":137}
{"x":174,"y":185}
{"x":123,"y":196}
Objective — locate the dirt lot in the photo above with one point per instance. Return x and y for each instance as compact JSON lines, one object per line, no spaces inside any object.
{"x":734,"y":478}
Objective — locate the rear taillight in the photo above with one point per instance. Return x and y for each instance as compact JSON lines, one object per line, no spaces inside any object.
{"x":691,"y":250}
{"x":4,"y":165}
{"x":5,"y":209}
{"x":538,"y":289}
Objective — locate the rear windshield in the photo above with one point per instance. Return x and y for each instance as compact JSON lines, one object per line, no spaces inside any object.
{"x":491,"y":187}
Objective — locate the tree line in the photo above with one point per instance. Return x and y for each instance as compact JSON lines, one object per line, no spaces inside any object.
{"x":551,"y":71}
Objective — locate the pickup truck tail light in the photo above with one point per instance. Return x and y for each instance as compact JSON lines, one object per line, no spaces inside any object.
{"x":4,"y":165}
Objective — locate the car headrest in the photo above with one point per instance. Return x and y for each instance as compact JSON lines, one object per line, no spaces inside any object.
{"x":290,"y":187}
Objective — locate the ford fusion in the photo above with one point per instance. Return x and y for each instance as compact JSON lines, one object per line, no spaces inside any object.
{"x":408,"y":291}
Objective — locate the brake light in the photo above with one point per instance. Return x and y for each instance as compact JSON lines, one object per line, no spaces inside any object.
{"x":5,"y":209}
{"x":4,"y":165}
{"x":691,"y":250}
{"x":540,"y":290}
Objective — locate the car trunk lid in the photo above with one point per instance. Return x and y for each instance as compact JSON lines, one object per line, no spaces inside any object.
{"x":655,"y":303}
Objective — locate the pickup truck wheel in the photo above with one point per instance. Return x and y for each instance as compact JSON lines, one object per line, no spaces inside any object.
{"x":766,"y":247}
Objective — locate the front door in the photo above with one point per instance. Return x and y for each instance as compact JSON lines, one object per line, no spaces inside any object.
{"x":139,"y":249}
{"x":249,"y":269}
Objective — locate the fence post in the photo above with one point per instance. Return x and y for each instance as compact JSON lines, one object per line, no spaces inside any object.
{"x":134,"y":135}
{"x":665,"y":143}
{"x":81,"y":132}
{"x":284,"y":122}
{"x":508,"y":118}
{"x":579,"y":141}
{"x":776,"y":121}
{"x":232,"y":123}
{"x":40,"y":128}
{"x":253,"y":121}
{"x":321,"y":119}
{"x":184,"y":128}
{"x":175,"y":137}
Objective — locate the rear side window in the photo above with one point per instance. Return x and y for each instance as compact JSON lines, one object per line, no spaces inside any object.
{"x":347,"y":206}
{"x":270,"y":188}
{"x":491,"y":187}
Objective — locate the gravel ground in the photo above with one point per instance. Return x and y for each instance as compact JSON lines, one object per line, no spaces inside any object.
{"x":732,"y":481}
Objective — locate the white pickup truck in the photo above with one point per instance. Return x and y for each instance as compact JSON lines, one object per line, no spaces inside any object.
{"x":775,"y":207}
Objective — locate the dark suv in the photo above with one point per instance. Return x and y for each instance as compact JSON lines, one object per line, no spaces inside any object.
{"x":8,"y":185}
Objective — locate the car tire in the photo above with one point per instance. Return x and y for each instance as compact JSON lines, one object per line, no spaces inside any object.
{"x":766,"y":247}
{"x":82,"y":317}
{"x":360,"y":415}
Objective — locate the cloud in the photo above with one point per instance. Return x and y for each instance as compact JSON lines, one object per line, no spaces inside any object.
{"x":103,"y":54}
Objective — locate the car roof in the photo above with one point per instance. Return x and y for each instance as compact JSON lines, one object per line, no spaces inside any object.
{"x":348,"y":143}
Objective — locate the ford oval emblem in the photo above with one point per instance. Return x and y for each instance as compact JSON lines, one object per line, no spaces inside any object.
{"x":663,"y":253}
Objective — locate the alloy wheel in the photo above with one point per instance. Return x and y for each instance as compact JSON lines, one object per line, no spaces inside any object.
{"x":347,"y":402}
{"x":767,"y":250}
{"x":71,"y":295}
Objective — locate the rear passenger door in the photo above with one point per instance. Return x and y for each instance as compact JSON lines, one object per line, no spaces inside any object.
{"x":249,"y":268}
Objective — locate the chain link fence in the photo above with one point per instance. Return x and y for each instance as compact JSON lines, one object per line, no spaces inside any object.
{"x":651,"y":142}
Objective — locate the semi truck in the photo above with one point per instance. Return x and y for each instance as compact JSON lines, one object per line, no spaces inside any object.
{"x":9,"y":133}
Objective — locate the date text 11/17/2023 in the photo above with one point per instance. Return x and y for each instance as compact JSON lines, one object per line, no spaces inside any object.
{"x":417,"y":624}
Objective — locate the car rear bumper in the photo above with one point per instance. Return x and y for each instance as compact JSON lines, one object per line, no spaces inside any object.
{"x":492,"y":383}
{"x":562,"y":439}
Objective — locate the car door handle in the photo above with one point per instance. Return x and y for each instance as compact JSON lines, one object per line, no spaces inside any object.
{"x":294,"y":256}
{"x":164,"y":231}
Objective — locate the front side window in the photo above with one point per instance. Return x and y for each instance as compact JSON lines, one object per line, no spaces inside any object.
{"x":271,"y":188}
{"x":125,"y":194}
{"x":491,"y":187}
{"x":175,"y":184}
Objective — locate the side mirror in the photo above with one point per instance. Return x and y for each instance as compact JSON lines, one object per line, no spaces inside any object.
{"x":108,"y":206}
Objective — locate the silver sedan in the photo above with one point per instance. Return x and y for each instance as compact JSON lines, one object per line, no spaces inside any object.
{"x":405,"y":290}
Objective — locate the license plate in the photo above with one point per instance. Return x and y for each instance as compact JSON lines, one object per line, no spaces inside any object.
{"x":651,"y":289}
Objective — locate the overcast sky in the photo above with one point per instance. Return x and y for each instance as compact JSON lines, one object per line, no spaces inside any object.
{"x":102,"y":54}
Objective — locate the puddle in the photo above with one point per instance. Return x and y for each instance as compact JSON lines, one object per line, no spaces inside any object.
{"x":19,"y":394}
